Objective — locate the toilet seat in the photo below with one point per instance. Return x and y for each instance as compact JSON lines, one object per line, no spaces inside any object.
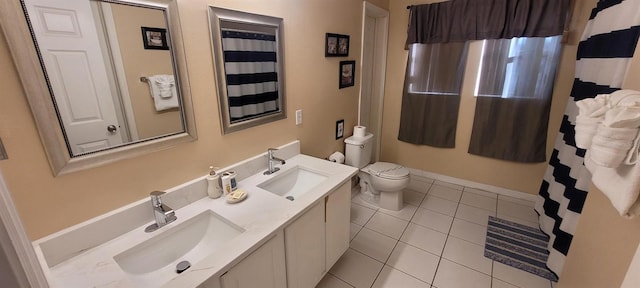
{"x":387,"y":170}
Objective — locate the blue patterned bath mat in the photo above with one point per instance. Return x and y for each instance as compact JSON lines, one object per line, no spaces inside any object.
{"x":518,"y":246}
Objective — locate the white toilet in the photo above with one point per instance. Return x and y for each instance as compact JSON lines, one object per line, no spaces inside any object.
{"x":380,"y":182}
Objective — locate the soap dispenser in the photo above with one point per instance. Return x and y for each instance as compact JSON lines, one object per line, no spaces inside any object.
{"x":214,"y":190}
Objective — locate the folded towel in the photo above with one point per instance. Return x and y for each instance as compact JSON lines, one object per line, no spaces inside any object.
{"x":634,"y":152}
{"x":166,"y":84}
{"x":610,"y":145}
{"x":613,"y":155}
{"x":163,"y":91}
{"x":623,"y":116}
{"x":621,"y":185}
{"x":623,"y":97}
{"x":590,"y":114}
{"x":618,"y":135}
{"x":585,"y":129}
{"x":593,"y":107}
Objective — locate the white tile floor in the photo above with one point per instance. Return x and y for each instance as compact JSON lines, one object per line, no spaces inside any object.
{"x":436,"y":240}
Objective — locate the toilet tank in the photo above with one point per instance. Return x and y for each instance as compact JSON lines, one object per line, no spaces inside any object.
{"x":358,"y":150}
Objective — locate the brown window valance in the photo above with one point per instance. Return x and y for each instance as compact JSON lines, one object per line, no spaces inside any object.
{"x":462,"y":20}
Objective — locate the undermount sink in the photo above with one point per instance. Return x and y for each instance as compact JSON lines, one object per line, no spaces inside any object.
{"x":155,"y":259}
{"x":293,"y":183}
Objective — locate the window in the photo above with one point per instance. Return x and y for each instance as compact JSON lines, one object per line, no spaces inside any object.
{"x":431,"y":97}
{"x":518,"y":67}
{"x":436,"y":69}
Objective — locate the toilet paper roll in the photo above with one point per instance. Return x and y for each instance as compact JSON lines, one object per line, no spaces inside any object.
{"x":337,"y":157}
{"x":359,"y":131}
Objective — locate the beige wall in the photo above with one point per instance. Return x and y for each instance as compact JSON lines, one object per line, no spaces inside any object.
{"x":138,"y":62}
{"x":457,"y":162}
{"x":603,"y":245}
{"x":47,"y":204}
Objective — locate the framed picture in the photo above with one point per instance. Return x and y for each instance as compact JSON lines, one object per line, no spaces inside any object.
{"x":347,"y":73}
{"x":336,"y":45}
{"x":154,"y":38}
{"x":339,"y":129}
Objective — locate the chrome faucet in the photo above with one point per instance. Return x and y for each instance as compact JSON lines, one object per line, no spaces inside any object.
{"x":270,"y":161}
{"x":162,"y":213}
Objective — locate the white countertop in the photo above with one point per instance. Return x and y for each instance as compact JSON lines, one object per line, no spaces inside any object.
{"x":262,"y":215}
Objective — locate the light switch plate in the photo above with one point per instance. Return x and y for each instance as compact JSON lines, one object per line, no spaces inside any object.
{"x":298,"y":117}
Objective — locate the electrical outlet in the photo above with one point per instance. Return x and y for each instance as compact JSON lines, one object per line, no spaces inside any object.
{"x":298,"y":117}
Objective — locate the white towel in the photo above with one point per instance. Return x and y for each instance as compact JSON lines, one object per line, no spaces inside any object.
{"x":621,"y":185}
{"x":634,"y":152}
{"x":623,"y":116}
{"x":612,"y":157}
{"x":585,"y":129}
{"x":623,"y":97}
{"x":163,"y":91}
{"x":616,"y":139}
{"x":590,"y":114}
{"x":593,"y":107}
{"x":608,"y":125}
{"x":610,"y":145}
{"x":627,"y":116}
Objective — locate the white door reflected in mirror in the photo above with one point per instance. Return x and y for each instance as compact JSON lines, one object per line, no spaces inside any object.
{"x":66,"y":88}
{"x":94,"y":58}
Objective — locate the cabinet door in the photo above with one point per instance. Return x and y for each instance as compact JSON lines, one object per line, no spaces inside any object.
{"x":305,"y":248}
{"x":263,"y":268}
{"x":338,"y":216}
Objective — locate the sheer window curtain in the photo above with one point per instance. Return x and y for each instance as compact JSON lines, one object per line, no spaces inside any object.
{"x":432,"y":94}
{"x":514,"y":91}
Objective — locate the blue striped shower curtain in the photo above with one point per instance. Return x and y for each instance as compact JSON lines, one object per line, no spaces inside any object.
{"x":252,"y":74}
{"x":608,"y":43}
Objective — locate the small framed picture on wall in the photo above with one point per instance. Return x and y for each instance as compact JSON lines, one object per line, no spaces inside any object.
{"x":154,"y":38}
{"x":336,"y":45}
{"x":347,"y":73}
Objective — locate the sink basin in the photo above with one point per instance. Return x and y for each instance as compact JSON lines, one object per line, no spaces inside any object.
{"x":293,"y":183}
{"x":155,"y":260}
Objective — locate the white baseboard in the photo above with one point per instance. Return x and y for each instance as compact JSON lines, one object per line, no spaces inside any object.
{"x":476,"y":185}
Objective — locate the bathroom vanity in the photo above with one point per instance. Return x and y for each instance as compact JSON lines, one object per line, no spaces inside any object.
{"x":267,"y":240}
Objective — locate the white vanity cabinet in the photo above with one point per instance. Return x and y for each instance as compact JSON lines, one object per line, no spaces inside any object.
{"x":263,"y":241}
{"x":337,"y":226}
{"x":263,"y":268}
{"x":305,"y":248}
{"x":317,"y":239}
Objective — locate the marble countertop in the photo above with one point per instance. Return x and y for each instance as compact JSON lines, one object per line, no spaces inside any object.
{"x":262,"y":215}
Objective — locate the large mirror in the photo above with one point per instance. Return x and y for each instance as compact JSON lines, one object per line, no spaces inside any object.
{"x":105,"y":80}
{"x":249,"y":55}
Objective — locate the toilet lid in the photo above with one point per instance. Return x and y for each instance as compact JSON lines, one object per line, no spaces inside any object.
{"x":387,"y":170}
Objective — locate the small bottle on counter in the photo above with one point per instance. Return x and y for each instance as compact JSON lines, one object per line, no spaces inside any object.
{"x":214,"y":190}
{"x":226,"y":183}
{"x":234,"y":184}
{"x":229,"y":182}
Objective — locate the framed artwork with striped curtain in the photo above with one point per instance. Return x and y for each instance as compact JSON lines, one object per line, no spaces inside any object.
{"x":249,"y":66}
